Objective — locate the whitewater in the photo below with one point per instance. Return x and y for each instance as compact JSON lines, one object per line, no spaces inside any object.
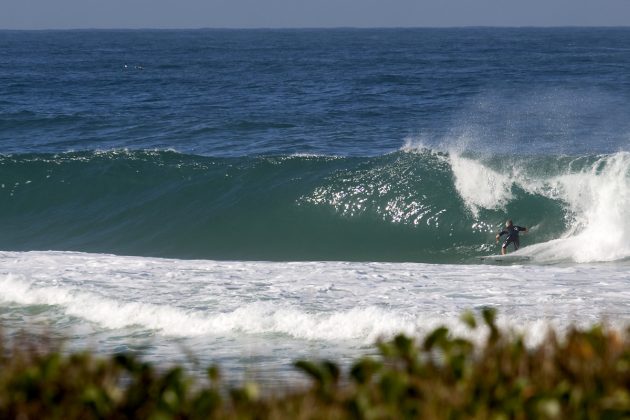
{"x":256,"y":318}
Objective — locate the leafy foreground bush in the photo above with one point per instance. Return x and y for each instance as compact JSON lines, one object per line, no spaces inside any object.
{"x":586,"y":374}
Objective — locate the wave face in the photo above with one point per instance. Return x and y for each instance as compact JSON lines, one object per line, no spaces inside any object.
{"x":413,"y":205}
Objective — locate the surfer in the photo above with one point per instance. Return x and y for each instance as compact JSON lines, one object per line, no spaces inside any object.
{"x":512,"y":236}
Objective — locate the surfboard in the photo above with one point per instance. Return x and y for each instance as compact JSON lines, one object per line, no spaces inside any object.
{"x":508,"y":259}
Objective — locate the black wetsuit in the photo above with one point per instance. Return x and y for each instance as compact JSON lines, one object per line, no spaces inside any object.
{"x":512,"y":236}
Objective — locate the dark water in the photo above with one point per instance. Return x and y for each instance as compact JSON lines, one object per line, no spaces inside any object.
{"x":290,"y":144}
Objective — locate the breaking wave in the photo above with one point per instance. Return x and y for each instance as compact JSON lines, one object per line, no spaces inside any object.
{"x":416,"y":204}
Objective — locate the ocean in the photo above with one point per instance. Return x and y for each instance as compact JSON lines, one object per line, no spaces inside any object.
{"x":252,"y":197}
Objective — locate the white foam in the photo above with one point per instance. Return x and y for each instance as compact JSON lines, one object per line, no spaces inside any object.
{"x":362,"y":324}
{"x":324,"y":301}
{"x":91,"y":307}
{"x":598,"y":200}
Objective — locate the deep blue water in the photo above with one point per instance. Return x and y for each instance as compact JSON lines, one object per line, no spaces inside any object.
{"x":334,"y":92}
{"x":182,"y":143}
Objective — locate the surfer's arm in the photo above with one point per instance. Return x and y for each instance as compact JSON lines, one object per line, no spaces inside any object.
{"x":522,"y":229}
{"x":503,"y":232}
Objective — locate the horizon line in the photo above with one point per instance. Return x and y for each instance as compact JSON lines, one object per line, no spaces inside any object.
{"x":290,"y":28}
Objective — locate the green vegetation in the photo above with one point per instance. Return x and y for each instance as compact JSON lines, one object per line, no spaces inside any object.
{"x":583,"y":375}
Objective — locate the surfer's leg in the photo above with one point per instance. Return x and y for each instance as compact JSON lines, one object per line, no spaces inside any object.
{"x":517,"y":244}
{"x":504,"y":247}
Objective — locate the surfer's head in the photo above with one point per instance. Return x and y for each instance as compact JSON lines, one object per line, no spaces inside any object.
{"x":509,"y":223}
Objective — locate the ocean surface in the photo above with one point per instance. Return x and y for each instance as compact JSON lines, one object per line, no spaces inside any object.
{"x":251,"y":197}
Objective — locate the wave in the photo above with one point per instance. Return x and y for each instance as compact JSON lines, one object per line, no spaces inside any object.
{"x":416,"y":204}
{"x":364,"y":324}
